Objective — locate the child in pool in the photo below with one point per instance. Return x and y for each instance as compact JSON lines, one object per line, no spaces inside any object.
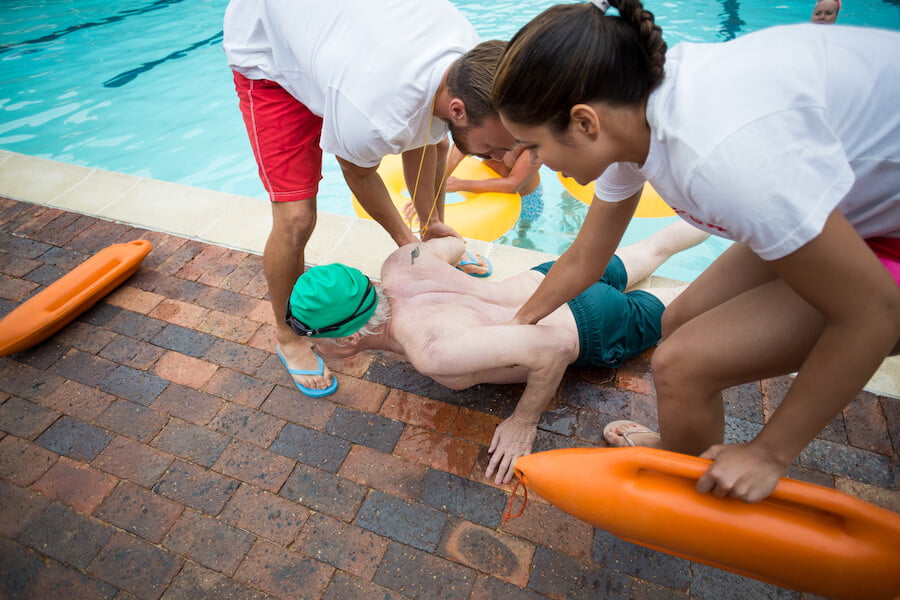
{"x":786,"y":141}
{"x":826,"y":11}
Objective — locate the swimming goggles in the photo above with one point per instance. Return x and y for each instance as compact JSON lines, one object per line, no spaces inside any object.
{"x":300,"y":328}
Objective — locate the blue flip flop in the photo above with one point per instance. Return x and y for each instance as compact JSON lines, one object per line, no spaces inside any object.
{"x":471,"y":260}
{"x":312,"y":393}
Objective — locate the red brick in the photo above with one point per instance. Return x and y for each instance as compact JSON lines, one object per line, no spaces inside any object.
{"x":265,"y":514}
{"x":78,"y":400}
{"x":131,"y":352}
{"x":133,"y":299}
{"x":209,"y":541}
{"x":419,"y":411}
{"x":264,"y":338}
{"x":290,"y":406}
{"x":75,"y":484}
{"x":185,"y":370}
{"x":475,"y":426}
{"x":180,"y":313}
{"x":634,"y":375}
{"x":359,"y":394}
{"x":262,"y":313}
{"x":139,"y":511}
{"x":384,"y":472}
{"x":548,"y":526}
{"x":196,"y":487}
{"x":204,"y":260}
{"x":131,"y":460}
{"x":866,"y":425}
{"x":355,"y":366}
{"x":24,"y":418}
{"x":188,"y":404}
{"x":57,"y":581}
{"x":238,"y":388}
{"x":230,"y":327}
{"x":256,"y":287}
{"x":135,"y":566}
{"x":85,"y":336}
{"x":15,"y":289}
{"x":437,"y":451}
{"x":283,"y":573}
{"x":254,"y":465}
{"x":22,"y":462}
{"x":889,"y":499}
{"x":342,"y":545}
{"x":27,"y":382}
{"x":248,"y":425}
{"x":20,"y":506}
{"x":489,"y":551}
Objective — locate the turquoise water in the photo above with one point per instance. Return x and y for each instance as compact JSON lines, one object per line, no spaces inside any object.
{"x":142,"y":87}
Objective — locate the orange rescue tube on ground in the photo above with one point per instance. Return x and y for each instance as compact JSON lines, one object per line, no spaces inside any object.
{"x":806,"y":537}
{"x":59,"y":303}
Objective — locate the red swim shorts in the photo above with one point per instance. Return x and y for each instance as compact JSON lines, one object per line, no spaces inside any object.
{"x":888,"y":252}
{"x":284,"y":135}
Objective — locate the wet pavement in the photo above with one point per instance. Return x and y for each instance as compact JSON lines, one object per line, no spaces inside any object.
{"x":156,"y":448}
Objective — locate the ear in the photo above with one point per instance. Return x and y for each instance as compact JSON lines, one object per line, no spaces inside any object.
{"x":585,"y":120}
{"x":457,"y":110}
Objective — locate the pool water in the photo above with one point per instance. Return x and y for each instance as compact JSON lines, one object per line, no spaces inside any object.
{"x":142,"y":87}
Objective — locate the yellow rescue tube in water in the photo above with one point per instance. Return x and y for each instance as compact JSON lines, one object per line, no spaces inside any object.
{"x":485,"y":216}
{"x":651,"y":205}
{"x":804,"y":536}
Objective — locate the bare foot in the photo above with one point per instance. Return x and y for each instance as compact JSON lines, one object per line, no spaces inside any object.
{"x":305,"y":367}
{"x":622,"y":434}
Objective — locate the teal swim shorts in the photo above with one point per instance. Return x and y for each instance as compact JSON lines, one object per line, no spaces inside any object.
{"x":613,"y":325}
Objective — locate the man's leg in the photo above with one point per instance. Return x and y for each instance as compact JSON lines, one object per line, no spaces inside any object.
{"x":284,"y":136}
{"x":283,"y":263}
{"x":642,"y":258}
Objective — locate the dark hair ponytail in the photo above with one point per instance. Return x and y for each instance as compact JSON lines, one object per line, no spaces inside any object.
{"x":573,"y":53}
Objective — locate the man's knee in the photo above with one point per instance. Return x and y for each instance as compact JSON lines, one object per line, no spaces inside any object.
{"x":294,"y":222}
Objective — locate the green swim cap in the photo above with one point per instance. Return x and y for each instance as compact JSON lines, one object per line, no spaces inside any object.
{"x":330,"y":301}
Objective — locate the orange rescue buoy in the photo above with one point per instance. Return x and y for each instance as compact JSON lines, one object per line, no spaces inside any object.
{"x":804,"y":536}
{"x":59,"y":303}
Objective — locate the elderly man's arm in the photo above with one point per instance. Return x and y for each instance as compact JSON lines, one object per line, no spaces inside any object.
{"x":539,"y":354}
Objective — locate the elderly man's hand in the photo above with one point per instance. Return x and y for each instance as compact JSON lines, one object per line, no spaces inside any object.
{"x":513,"y":438}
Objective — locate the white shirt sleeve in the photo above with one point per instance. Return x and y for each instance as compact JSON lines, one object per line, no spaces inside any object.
{"x":619,"y":182}
{"x":773,"y":183}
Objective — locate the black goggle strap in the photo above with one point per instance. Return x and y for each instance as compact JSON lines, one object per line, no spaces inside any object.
{"x":301,"y":328}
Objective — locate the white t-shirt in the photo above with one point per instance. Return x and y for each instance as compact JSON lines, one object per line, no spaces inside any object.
{"x":369,"y":69}
{"x":758,"y":139}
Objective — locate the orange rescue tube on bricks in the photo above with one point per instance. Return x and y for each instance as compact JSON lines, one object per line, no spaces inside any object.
{"x":58,"y":304}
{"x":804,"y":536}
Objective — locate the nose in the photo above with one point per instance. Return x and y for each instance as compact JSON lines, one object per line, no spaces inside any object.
{"x":497,"y":154}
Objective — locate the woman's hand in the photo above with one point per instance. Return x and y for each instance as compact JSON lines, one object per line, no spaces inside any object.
{"x":743,"y":471}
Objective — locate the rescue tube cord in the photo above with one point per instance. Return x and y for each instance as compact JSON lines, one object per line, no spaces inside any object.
{"x":424,"y":228}
{"x":512,"y":497}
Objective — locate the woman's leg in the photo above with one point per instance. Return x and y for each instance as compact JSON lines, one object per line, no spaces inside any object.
{"x":743,"y":326}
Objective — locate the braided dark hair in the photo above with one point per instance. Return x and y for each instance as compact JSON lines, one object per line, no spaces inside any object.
{"x":574,"y":53}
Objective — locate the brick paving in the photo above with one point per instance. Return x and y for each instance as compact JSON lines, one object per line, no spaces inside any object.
{"x":155,"y":448}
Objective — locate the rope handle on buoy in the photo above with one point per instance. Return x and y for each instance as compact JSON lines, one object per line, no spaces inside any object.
{"x":508,"y":514}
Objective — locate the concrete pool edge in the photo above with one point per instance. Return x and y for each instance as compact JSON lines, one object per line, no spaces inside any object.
{"x":242,"y":223}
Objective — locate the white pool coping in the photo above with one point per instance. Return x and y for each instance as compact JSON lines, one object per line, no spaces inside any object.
{"x":243,"y":223}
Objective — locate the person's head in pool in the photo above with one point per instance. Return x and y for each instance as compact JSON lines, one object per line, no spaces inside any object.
{"x":573,"y":74}
{"x":826,"y":11}
{"x":335,"y":301}
{"x":474,"y":124}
